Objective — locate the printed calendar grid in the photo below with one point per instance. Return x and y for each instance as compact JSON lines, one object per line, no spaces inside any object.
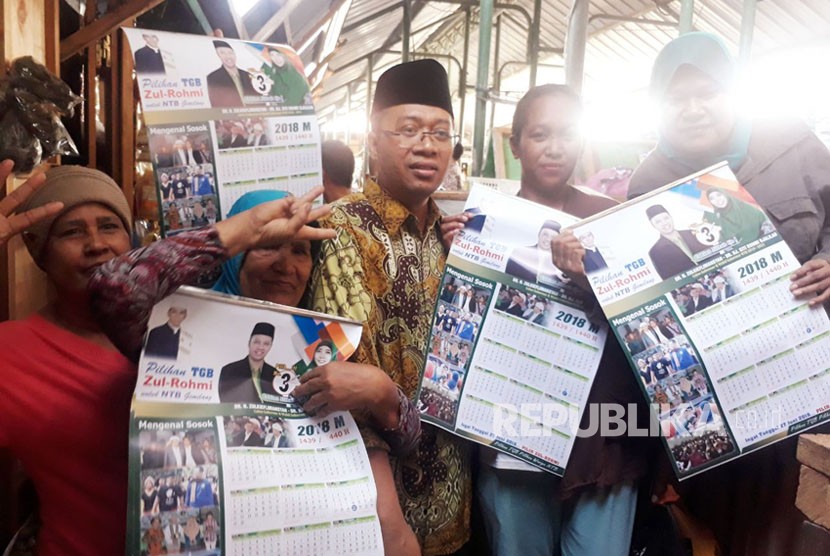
{"x":548,"y":444}
{"x":356,"y":537}
{"x":736,"y":314}
{"x":255,"y":511}
{"x":513,"y":359}
{"x":779,"y":384}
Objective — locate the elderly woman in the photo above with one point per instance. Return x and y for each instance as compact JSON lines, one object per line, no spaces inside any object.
{"x":60,"y":371}
{"x":127,"y":288}
{"x":749,"y":503}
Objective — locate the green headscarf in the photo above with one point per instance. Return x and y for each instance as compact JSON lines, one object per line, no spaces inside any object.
{"x":737,"y":219}
{"x":707,"y":53}
{"x":229,"y":280}
{"x":326,"y":343}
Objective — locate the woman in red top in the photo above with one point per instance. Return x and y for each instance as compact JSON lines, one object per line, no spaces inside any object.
{"x":59,"y":372}
{"x":64,"y":389}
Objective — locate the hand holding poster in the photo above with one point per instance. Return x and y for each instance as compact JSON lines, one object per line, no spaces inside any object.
{"x":730,"y":360}
{"x":223,"y":461}
{"x":512,"y":354}
{"x":224,"y":117}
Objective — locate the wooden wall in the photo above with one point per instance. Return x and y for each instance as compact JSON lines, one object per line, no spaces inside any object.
{"x":23,"y":31}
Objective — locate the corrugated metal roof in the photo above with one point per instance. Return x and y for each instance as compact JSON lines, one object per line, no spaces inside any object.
{"x":615,"y":49}
{"x":302,"y":21}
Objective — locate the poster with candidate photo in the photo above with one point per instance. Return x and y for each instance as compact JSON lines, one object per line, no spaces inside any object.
{"x":695,"y":282}
{"x":224,"y":117}
{"x":223,"y":459}
{"x":512,"y":353}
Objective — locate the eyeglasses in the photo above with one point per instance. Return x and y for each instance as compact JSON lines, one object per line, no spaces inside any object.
{"x":408,"y":136}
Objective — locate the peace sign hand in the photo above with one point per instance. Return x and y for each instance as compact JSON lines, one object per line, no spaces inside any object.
{"x":13,"y":224}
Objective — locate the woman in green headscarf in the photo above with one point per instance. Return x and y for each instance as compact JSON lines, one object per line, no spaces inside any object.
{"x":749,"y":504}
{"x":324,"y":353}
{"x":736,"y":219}
{"x":286,"y":82}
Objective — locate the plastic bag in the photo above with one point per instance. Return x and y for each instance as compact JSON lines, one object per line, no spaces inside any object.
{"x":4,"y":104}
{"x":42,"y":120}
{"x":18,"y":144}
{"x":32,"y":101}
{"x":34,"y":77}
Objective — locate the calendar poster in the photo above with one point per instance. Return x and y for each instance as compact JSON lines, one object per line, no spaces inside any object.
{"x":695,"y":282}
{"x":512,"y":354}
{"x":224,"y":117}
{"x":223,"y":460}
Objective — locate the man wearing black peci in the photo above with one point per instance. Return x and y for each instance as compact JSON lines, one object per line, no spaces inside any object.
{"x":674,"y":252}
{"x":245,"y":380}
{"x":228,"y":85}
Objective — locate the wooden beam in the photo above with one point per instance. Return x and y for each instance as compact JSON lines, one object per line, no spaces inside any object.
{"x":104,"y":25}
{"x":289,"y":34}
{"x":124,"y":148}
{"x":90,"y":92}
{"x":276,"y":20}
{"x":90,"y":100}
{"x":90,"y":11}
{"x":52,"y":14}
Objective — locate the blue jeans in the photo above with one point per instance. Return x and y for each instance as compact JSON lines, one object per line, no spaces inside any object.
{"x":524,"y":516}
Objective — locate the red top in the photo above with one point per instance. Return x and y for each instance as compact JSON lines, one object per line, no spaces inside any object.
{"x":64,"y":412}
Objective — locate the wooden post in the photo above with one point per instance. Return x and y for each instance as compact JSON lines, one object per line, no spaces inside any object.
{"x":52,"y":34}
{"x":23,"y":31}
{"x":120,"y":110}
{"x":90,"y":91}
{"x":22,"y":23}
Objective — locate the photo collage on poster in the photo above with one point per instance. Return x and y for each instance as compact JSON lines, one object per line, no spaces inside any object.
{"x":184,"y":160}
{"x":458,"y":317}
{"x":180,"y":495}
{"x":676,"y":385}
{"x":224,"y":117}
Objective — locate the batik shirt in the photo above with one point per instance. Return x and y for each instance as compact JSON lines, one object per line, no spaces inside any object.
{"x":381,"y":270}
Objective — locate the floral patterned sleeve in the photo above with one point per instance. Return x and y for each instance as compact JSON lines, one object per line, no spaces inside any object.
{"x":405,"y":437}
{"x":337,"y":287}
{"x":124,"y":290}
